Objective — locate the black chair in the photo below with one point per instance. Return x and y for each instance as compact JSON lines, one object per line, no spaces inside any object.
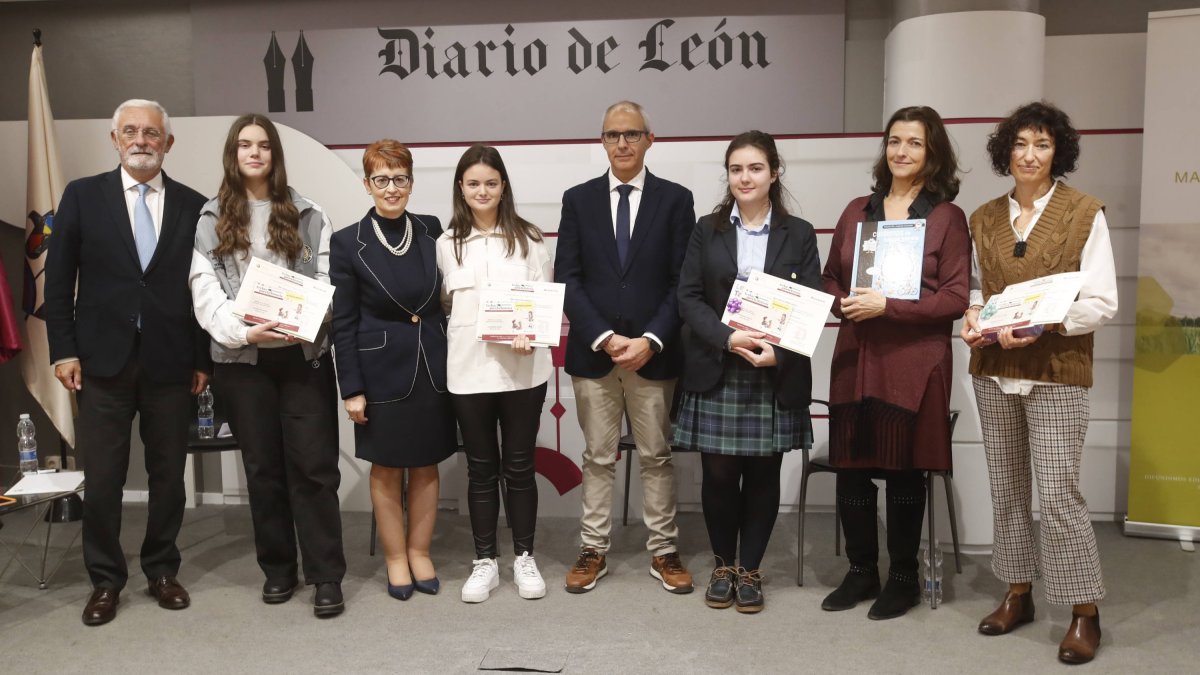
{"x":822,"y":465}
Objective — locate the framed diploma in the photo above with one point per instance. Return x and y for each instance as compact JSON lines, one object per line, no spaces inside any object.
{"x":273,"y":293}
{"x":511,"y":308}
{"x":790,"y":315}
{"x":888,"y":255}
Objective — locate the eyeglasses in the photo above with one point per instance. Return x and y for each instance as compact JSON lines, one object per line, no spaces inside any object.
{"x":149,"y":133}
{"x":381,"y":182}
{"x":632,"y":136}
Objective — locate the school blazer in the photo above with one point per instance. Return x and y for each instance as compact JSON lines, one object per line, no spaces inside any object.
{"x":709,"y":270}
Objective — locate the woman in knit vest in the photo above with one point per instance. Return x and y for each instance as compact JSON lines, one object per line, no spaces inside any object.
{"x":1032,"y":390}
{"x":889,"y":381}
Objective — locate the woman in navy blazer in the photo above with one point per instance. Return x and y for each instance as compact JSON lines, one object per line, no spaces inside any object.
{"x":745,"y":402}
{"x":389,"y":332}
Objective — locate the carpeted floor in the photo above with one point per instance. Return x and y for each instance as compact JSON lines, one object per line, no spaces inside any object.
{"x":628,"y":624}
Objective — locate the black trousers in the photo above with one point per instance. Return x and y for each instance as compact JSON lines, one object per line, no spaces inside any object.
{"x":283,"y":412}
{"x":104,"y":427}
{"x":518,"y":414}
{"x":740,"y":496}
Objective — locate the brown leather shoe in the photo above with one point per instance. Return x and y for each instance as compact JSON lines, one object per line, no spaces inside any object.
{"x":670,"y":571}
{"x":1014,"y":610}
{"x":588,"y":569}
{"x":170,"y":593}
{"x":101,"y":607}
{"x":1082,"y":639}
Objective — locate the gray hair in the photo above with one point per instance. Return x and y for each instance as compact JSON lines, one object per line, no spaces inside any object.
{"x":629,"y":107}
{"x":142,"y":103}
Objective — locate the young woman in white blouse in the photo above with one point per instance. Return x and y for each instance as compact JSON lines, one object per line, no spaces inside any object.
{"x":280,"y":393}
{"x":493,"y":384}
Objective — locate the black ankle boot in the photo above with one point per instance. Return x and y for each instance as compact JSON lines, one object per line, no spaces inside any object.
{"x":897,"y":597}
{"x":860,"y":584}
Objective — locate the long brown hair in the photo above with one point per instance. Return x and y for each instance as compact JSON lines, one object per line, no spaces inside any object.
{"x":233,"y":226}
{"x":777,"y":193}
{"x":516,"y":230}
{"x":940,"y":175}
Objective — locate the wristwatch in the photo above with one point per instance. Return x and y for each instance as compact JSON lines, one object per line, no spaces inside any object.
{"x":654,"y":346}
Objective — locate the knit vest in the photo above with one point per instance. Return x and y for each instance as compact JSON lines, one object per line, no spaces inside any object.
{"x":1055,"y":245}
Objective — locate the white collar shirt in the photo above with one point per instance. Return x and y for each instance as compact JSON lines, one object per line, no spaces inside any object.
{"x":154,"y":199}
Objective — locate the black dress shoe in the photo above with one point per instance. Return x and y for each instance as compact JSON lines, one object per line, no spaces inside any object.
{"x":897,"y":597}
{"x":101,"y":607}
{"x":275,"y":592}
{"x":858,"y":585}
{"x":169,"y":593}
{"x":327,"y":600}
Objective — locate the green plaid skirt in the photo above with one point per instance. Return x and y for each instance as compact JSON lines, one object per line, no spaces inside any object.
{"x":740,"y":416}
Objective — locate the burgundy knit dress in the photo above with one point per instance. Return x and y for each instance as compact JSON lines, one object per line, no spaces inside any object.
{"x":890,"y":377}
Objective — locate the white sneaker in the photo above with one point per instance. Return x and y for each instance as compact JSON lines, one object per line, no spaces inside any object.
{"x":527,"y":578}
{"x":483,"y":580}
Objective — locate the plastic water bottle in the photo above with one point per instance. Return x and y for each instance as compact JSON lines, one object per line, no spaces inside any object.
{"x":931,"y":573}
{"x":204,"y":418}
{"x":27,"y":445}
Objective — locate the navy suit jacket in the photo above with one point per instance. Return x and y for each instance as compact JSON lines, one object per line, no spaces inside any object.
{"x":708,"y":275}
{"x":387,"y":313}
{"x":92,"y":244}
{"x":629,"y":300}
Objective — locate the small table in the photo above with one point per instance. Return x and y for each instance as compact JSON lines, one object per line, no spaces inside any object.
{"x":41,"y":505}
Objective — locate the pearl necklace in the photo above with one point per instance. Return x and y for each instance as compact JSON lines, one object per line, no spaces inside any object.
{"x":405,"y":241}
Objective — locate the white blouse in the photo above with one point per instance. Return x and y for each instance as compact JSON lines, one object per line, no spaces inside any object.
{"x":475,"y":367}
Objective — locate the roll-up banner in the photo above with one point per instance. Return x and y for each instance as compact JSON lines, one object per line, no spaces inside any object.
{"x":1164,"y":470}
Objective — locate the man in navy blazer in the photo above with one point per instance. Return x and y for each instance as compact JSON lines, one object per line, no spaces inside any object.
{"x":621,"y":243}
{"x":128,"y":343}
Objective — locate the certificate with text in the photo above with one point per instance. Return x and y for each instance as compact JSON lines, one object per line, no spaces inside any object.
{"x":888,"y":255}
{"x":511,"y":308}
{"x":790,"y":315}
{"x":273,"y":293}
{"x":1040,"y":301}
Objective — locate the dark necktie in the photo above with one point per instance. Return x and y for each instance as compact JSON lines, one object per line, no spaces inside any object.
{"x":623,"y":223}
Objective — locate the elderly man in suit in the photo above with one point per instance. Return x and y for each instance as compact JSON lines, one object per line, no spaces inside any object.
{"x":127,"y":343}
{"x":621,"y":243}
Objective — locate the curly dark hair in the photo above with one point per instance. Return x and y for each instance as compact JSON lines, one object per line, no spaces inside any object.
{"x":940,"y":175}
{"x":1041,"y":116}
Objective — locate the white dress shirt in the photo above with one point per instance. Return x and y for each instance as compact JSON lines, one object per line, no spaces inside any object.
{"x":1097,"y":301}
{"x":472,"y":366}
{"x":214,"y":308}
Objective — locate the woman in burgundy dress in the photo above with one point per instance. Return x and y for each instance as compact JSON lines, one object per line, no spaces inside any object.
{"x":889,"y":382}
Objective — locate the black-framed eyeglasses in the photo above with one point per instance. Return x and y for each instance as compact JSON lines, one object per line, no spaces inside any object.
{"x":631,"y":136}
{"x":381,"y":182}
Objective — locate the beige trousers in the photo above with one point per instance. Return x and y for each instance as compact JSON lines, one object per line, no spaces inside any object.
{"x":601,"y":403}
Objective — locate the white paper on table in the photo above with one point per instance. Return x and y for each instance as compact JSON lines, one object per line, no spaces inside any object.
{"x":1044,"y":300}
{"x":46,"y":483}
{"x":511,"y":308}
{"x":224,"y":431}
{"x":792,"y":316}
{"x":273,"y":293}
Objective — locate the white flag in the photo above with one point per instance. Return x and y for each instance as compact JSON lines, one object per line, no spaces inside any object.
{"x":43,"y":190}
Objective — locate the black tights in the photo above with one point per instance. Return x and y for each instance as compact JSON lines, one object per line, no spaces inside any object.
{"x":740,"y":497}
{"x":518,"y":414}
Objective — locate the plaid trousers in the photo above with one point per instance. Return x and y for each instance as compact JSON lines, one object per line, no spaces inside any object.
{"x":1048,"y":424}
